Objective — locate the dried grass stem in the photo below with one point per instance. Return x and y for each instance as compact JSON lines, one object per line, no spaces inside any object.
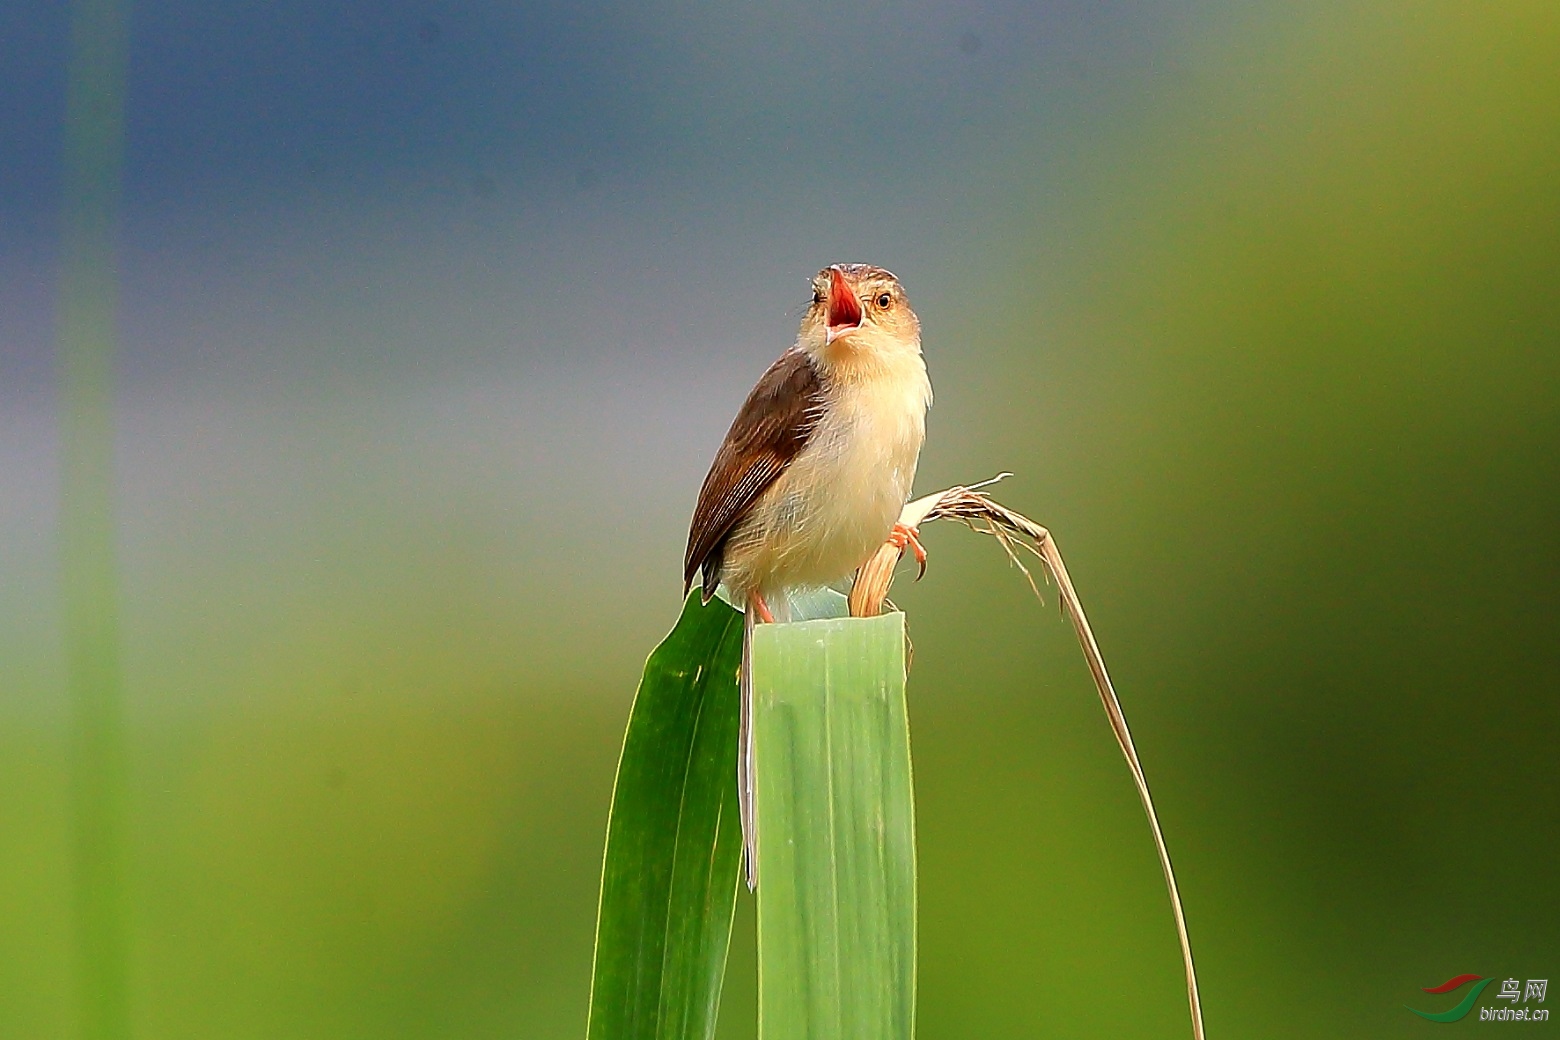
{"x":977,"y":510}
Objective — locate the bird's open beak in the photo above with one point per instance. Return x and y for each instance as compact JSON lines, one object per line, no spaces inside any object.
{"x":844,"y":308}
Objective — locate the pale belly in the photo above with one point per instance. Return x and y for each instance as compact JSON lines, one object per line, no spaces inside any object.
{"x":836,"y":502}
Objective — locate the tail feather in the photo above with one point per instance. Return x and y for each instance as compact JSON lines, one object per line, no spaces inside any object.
{"x":747,"y":772}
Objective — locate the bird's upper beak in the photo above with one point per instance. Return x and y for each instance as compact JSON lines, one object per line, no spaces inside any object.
{"x":844,"y":309}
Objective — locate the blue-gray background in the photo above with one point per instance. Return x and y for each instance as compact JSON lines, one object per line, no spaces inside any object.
{"x":432,"y":314}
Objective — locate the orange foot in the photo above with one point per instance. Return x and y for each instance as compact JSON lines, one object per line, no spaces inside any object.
{"x":901,"y":537}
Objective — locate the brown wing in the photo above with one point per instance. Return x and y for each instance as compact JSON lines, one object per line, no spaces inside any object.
{"x":775,"y":421}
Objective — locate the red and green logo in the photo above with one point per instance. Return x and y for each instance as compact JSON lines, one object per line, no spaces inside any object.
{"x":1511,"y":991}
{"x":1465,"y":1006}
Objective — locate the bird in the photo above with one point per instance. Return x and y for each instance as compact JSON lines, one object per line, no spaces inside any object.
{"x":811,"y":477}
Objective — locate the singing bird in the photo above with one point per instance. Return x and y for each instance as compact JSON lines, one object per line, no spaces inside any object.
{"x":815,"y":469}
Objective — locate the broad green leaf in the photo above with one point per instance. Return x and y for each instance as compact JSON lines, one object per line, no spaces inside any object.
{"x":669,"y":880}
{"x":836,"y":831}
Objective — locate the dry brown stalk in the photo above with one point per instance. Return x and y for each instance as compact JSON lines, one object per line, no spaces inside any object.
{"x":978,"y":511}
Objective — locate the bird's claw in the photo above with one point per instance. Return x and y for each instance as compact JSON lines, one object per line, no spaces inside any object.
{"x":904,"y":536}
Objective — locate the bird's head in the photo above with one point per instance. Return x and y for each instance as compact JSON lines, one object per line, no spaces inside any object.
{"x":856,"y":310}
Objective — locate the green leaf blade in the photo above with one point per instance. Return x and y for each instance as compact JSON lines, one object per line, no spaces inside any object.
{"x":836,"y":831}
{"x":673,"y":858}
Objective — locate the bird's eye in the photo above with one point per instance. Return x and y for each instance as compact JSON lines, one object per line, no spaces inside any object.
{"x":883,"y":300}
{"x":817,"y":296}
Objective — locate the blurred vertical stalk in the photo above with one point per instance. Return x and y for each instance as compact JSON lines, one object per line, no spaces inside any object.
{"x":836,"y":831}
{"x":94,"y":137}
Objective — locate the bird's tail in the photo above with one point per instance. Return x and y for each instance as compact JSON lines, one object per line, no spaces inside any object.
{"x":747,"y":772}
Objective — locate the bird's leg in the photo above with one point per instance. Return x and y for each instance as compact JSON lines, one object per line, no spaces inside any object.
{"x":902,"y":536}
{"x":763,"y":609}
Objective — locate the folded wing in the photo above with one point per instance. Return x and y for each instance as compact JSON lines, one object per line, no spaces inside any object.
{"x":773,"y":425}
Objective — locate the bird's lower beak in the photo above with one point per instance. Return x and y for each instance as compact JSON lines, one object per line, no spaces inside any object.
{"x":844,"y":308}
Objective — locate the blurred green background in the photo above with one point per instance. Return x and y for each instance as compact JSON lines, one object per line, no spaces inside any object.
{"x":432,"y":314}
